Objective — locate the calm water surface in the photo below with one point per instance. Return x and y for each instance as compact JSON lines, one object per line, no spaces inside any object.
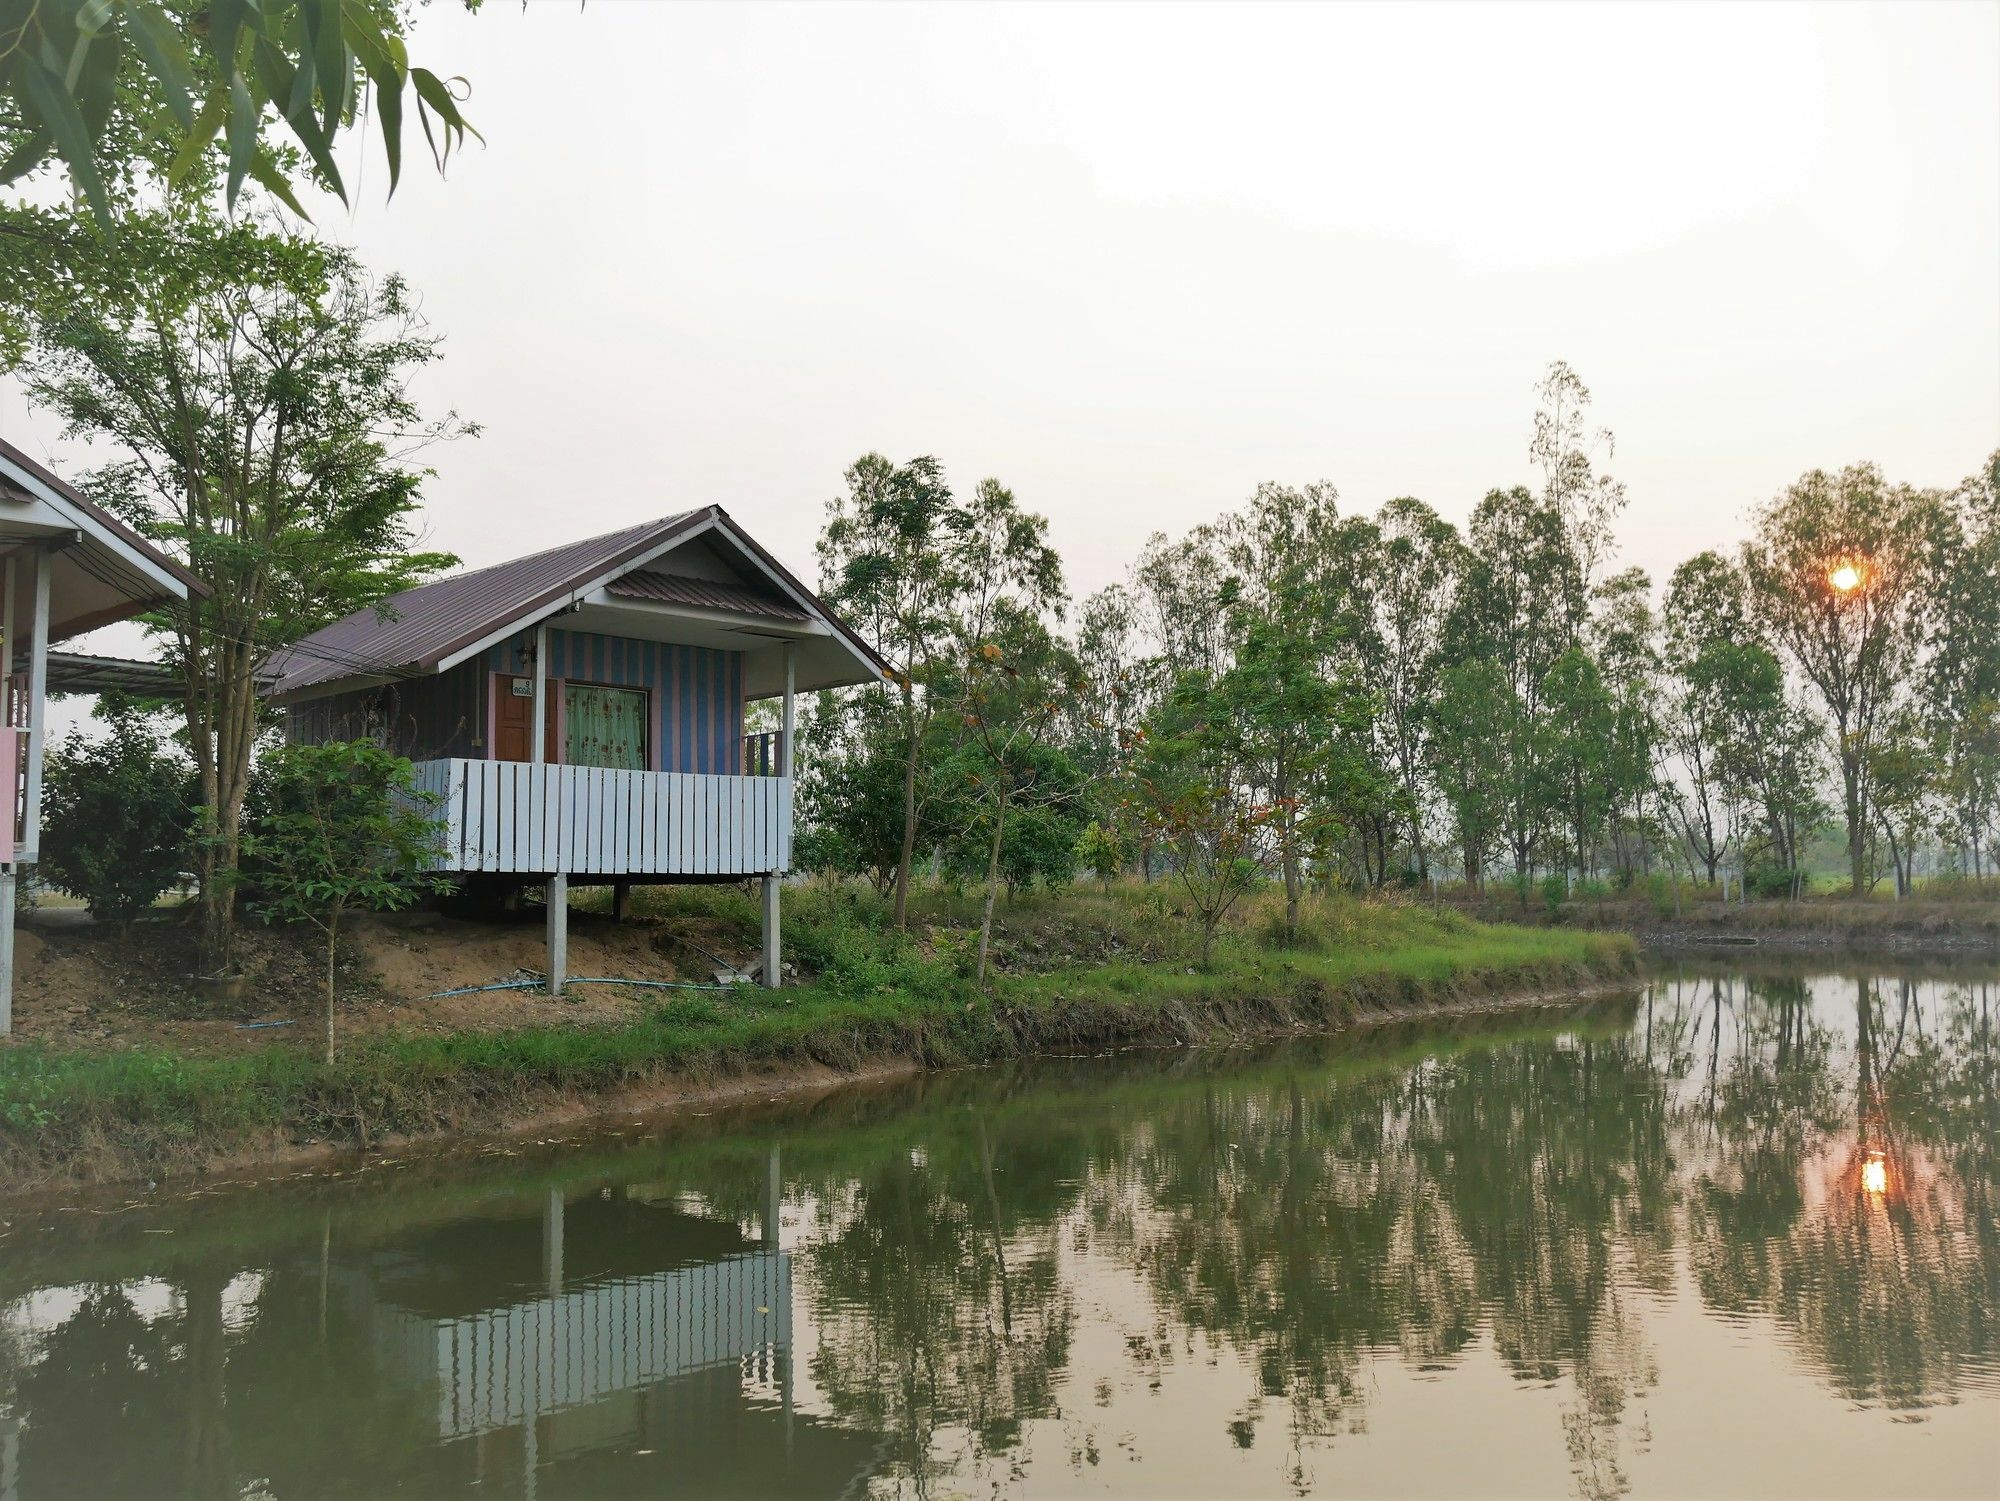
{"x":1733,"y":1235}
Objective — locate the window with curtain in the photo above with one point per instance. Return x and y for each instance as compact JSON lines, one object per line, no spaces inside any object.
{"x":605,"y":727}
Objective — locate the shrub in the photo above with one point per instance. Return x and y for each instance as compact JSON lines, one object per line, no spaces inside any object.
{"x":118,"y":815}
{"x":1555,"y":889}
{"x":1663,"y":891}
{"x":1101,"y":850}
{"x":1776,"y":881}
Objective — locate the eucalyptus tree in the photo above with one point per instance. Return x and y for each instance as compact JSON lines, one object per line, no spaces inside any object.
{"x":1015,"y":677}
{"x":254,"y":88}
{"x":1519,"y":606}
{"x":1961,"y":676}
{"x":1568,"y":452}
{"x":1415,"y":564}
{"x":890,"y":555}
{"x":920,"y":571}
{"x":1623,"y":644}
{"x":1837,"y":573}
{"x":1472,"y":701}
{"x":1704,"y":607}
{"x":1108,"y":653}
{"x":1580,"y":752}
{"x":255,"y":384}
{"x":1283,"y":538}
{"x":1176,"y":587}
{"x":1295,"y":730}
{"x":1906,"y":775}
{"x":1766,"y":754}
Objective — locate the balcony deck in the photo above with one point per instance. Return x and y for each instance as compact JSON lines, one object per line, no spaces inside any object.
{"x":514,"y":817}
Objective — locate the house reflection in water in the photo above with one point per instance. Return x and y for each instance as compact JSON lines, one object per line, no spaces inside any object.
{"x":604,"y":1344}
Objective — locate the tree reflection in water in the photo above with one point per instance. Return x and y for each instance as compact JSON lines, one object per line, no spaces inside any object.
{"x":1289,"y":1227}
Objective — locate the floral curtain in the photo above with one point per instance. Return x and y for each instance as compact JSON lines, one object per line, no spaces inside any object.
{"x":605,"y":727}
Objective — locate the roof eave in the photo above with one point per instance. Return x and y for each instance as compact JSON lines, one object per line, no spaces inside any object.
{"x":116,"y":533}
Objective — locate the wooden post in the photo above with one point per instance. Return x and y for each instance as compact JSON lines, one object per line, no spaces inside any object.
{"x":785,"y":744}
{"x":541,"y":731}
{"x":558,"y":918}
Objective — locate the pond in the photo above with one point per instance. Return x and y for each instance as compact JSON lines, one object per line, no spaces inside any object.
{"x":1733,"y":1234}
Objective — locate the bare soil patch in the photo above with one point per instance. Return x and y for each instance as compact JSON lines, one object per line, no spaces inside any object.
{"x":81,"y":982}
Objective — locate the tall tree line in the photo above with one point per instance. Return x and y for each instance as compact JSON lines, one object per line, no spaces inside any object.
{"x":1294,"y":693}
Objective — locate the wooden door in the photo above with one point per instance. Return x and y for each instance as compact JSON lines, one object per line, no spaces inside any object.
{"x":514,"y":718}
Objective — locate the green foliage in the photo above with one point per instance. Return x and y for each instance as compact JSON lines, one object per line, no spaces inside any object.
{"x":927,"y":576}
{"x":345,"y":830}
{"x":1101,"y":850}
{"x":104,"y":85}
{"x":1188,"y":800}
{"x":1555,"y":891}
{"x":1776,"y":883}
{"x":117,"y":816}
{"x":1338,"y":700}
{"x":850,"y":788}
{"x":254,"y":387}
{"x":1663,"y":891}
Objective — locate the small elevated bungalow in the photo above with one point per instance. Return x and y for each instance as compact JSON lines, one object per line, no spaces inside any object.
{"x":66,"y":567}
{"x":579,"y":712}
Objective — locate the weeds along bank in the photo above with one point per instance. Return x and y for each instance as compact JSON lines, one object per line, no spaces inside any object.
{"x":1080,"y":972}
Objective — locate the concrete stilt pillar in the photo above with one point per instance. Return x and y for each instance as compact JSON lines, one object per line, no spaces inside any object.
{"x":7,"y":947}
{"x":773,"y":977}
{"x":552,"y":1242}
{"x":558,"y":914}
{"x":621,"y":898}
{"x":774,"y":1199}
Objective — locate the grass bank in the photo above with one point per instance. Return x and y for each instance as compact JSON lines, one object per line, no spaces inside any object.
{"x":1944,"y":920}
{"x":1083,"y":972}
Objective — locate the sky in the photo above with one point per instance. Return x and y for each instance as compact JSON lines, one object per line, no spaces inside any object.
{"x":1133,"y":260}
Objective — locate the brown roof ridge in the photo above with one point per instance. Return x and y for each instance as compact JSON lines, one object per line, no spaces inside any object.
{"x":529,"y":557}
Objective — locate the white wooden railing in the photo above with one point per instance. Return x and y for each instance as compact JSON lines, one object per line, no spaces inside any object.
{"x":516,"y":817}
{"x":511,"y":1365}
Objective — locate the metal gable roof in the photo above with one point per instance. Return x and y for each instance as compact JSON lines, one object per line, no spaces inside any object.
{"x":411,"y":632}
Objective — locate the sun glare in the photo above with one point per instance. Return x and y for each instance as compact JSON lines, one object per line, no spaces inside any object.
{"x":1875,"y":1174}
{"x":1846,"y":578}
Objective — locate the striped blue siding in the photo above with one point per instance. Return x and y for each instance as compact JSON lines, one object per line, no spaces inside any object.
{"x":697,"y":701}
{"x":697,"y":691}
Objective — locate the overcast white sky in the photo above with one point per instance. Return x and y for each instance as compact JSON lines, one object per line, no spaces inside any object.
{"x":1134,"y":259}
